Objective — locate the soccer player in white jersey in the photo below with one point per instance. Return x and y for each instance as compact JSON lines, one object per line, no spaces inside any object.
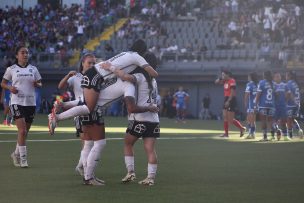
{"x":145,"y":125}
{"x":99,"y":91}
{"x":95,"y":77}
{"x":25,"y":78}
{"x":73,"y":80}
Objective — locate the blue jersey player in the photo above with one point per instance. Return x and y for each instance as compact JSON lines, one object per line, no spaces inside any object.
{"x":265,"y":102}
{"x":293,"y":102}
{"x":181,"y":98}
{"x":249,"y":103}
{"x":280,"y":116}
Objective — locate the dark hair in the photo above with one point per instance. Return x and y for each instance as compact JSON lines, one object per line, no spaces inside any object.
{"x":17,"y":50}
{"x":139,"y":46}
{"x":268,"y":77}
{"x":227,"y":72}
{"x":293,"y":76}
{"x":80,"y":69}
{"x":254,"y":77}
{"x":152,"y":60}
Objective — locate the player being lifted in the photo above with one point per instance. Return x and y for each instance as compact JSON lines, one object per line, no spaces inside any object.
{"x":250,"y":93}
{"x":229,"y":103}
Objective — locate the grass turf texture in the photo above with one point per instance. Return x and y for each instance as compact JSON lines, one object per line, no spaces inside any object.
{"x":202,"y":168}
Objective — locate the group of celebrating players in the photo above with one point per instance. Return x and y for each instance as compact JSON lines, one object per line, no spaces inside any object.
{"x":276,"y":102}
{"x":131,"y":75}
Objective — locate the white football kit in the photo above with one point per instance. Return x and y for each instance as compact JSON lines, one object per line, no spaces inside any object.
{"x":23,"y":79}
{"x":145,"y":97}
{"x":75,"y":83}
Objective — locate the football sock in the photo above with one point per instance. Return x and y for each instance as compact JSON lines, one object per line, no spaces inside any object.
{"x":265,"y":133}
{"x":70,"y":104}
{"x":152,"y":168}
{"x":284,"y":131}
{"x":226,"y":127}
{"x":17,"y":149}
{"x":129,"y":161}
{"x":23,"y":152}
{"x":72,"y":112}
{"x":94,"y":157}
{"x":237,"y":124}
{"x":88,"y":144}
{"x":253,"y":129}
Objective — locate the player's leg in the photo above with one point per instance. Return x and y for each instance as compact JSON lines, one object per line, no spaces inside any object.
{"x":97,"y":133}
{"x":149,"y":146}
{"x":226,"y":124}
{"x":298,"y":128}
{"x":263,"y":120}
{"x":290,"y":122}
{"x":269,"y":120}
{"x":129,"y":142}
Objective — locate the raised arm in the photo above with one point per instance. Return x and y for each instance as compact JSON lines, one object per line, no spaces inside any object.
{"x":63,"y":84}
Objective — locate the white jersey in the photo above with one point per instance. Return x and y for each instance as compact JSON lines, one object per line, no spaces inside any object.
{"x":23,"y":79}
{"x":145,"y":97}
{"x":126,"y":61}
{"x":114,"y":89}
{"x":74,"y":82}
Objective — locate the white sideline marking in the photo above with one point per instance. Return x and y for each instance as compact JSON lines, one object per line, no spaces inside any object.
{"x":111,"y":138}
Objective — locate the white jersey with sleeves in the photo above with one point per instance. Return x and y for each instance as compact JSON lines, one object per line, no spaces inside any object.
{"x":145,"y":97}
{"x":113,"y":89}
{"x":126,"y":61}
{"x":74,"y":82}
{"x":23,"y":79}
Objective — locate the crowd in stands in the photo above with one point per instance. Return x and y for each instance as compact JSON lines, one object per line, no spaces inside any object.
{"x":53,"y":31}
{"x":273,"y":26}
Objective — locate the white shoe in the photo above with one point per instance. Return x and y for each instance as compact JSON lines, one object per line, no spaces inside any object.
{"x":52,"y":122}
{"x":23,"y":163}
{"x":147,"y":181}
{"x":16,"y":159}
{"x":79,"y":170}
{"x":92,"y":182}
{"x":129,"y":177}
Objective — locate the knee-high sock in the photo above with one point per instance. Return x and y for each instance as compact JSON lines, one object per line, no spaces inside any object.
{"x":93,"y":158}
{"x":237,"y":124}
{"x":226,"y":127}
{"x":129,"y":161}
{"x":88,"y":144}
{"x":72,"y":112}
{"x":70,"y":104}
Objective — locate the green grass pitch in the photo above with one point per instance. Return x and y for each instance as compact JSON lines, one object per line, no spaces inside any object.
{"x":194,"y":166}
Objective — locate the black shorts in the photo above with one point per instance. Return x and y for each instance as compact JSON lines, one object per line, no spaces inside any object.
{"x":232,"y":104}
{"x":92,"y":79}
{"x":95,"y":117}
{"x":143,"y":129}
{"x":26,"y":112}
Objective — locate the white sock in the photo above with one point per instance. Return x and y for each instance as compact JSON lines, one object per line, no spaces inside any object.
{"x":17,"y":149}
{"x":94,"y":157}
{"x":129,"y":161}
{"x":72,"y":112}
{"x":88,"y":144}
{"x":23,"y":152}
{"x":70,"y":104}
{"x":152,"y":168}
{"x":79,"y":165}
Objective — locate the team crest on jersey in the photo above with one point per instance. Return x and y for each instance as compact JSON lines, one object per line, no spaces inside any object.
{"x":140,"y":128}
{"x":157,"y":129}
{"x":108,"y":82}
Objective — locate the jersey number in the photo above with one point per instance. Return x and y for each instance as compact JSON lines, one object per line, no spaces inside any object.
{"x":152,"y":97}
{"x":269,"y":94}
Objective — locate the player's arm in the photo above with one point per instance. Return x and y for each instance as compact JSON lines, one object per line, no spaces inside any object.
{"x":63,"y":84}
{"x":2,"y":96}
{"x":4,"y":85}
{"x":219,"y":81}
{"x":133,"y":108}
{"x":38,"y":84}
{"x":151,"y":71}
{"x":257,"y":98}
